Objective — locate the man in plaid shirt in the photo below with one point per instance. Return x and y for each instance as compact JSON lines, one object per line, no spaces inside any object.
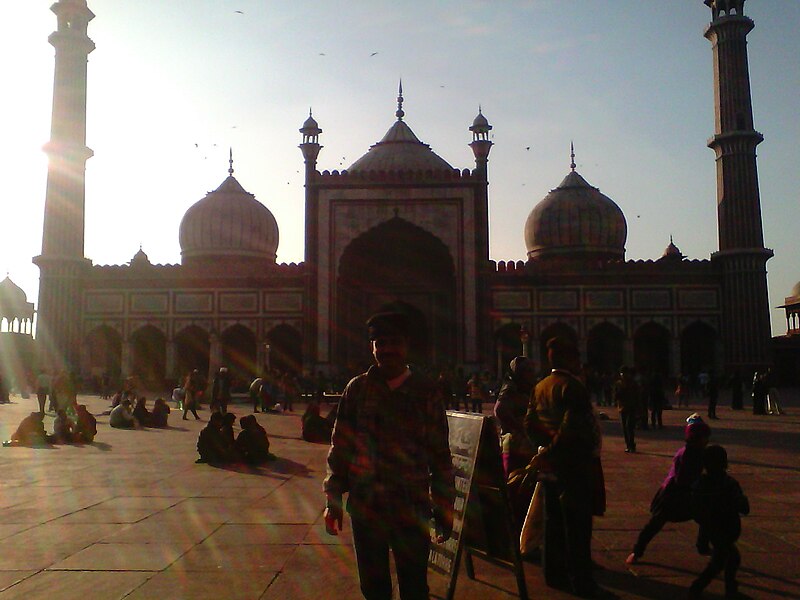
{"x":390,"y":452}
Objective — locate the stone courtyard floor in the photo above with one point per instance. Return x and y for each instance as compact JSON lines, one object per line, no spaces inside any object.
{"x":132,"y":516}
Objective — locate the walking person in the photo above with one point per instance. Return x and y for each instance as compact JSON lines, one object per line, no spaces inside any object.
{"x":191,"y":387}
{"x":627,"y":396}
{"x":42,"y":389}
{"x":390,"y":453}
{"x":712,"y":392}
{"x":657,"y":400}
{"x":760,"y":390}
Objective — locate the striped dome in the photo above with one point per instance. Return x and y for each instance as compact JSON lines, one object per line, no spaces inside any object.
{"x":575,"y":220}
{"x":229,"y":222}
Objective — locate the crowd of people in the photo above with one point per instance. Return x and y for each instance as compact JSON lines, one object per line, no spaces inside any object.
{"x":549,"y":433}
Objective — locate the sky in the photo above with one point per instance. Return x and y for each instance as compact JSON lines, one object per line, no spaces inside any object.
{"x":173,"y":84}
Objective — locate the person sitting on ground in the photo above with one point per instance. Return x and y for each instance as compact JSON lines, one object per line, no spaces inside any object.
{"x":140,"y":412}
{"x":228,"y":421}
{"x":30,"y":432}
{"x":121,"y":416}
{"x":717,"y":502}
{"x":213,"y":445}
{"x":63,"y":431}
{"x":252,"y":442}
{"x":671,"y":502}
{"x":159,"y":414}
{"x":85,"y":426}
{"x":315,"y":428}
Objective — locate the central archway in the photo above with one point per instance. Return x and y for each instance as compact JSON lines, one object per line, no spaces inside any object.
{"x":396,"y":264}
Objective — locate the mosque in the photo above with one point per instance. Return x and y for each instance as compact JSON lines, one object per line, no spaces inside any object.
{"x":402,"y":228}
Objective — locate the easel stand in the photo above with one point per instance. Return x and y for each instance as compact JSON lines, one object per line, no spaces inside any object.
{"x":483,"y":523}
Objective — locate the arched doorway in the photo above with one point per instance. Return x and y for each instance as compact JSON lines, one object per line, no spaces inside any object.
{"x":285,"y":349}
{"x":104,"y":350}
{"x":651,"y":344}
{"x":507,"y":345}
{"x":192,"y":351}
{"x":698,"y":349}
{"x":558,"y":329}
{"x":239,"y":355}
{"x":396,"y":261}
{"x":605,"y":348}
{"x":149,"y":356}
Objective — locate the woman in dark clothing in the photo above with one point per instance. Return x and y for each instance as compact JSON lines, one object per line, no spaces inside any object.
{"x":159,"y":414}
{"x":141,"y":414}
{"x":85,"y":425}
{"x":213,"y":444}
{"x":252,"y":442}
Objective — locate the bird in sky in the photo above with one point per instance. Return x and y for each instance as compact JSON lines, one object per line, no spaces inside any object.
{"x":239,"y":12}
{"x":527,"y":147}
{"x":373,"y":54}
{"x":322,"y":54}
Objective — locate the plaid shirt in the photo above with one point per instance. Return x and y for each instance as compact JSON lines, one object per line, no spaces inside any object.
{"x":390,"y":448}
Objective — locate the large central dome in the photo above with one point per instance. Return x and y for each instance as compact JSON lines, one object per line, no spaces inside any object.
{"x":576,"y":221}
{"x":400,"y":150}
{"x":229,"y":222}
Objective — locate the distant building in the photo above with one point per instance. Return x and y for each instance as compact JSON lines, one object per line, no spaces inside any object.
{"x":403,"y":229}
{"x":787,"y":347}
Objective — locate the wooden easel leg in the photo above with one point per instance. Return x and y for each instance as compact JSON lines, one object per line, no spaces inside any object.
{"x":469,"y":565}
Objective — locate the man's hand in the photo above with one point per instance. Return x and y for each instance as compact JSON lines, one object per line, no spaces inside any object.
{"x":444,"y":525}
{"x":333,"y":516}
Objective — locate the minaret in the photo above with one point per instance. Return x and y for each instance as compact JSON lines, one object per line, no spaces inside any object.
{"x":742,"y":256}
{"x":62,"y":263}
{"x":481,"y":146}
{"x":310,"y":148}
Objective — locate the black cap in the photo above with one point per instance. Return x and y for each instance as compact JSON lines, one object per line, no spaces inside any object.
{"x":387,"y":323}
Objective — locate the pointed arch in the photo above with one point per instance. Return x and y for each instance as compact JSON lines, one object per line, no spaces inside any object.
{"x":149,"y":356}
{"x":396,"y":261}
{"x":239,"y":354}
{"x":651,"y":349}
{"x":605,"y":344}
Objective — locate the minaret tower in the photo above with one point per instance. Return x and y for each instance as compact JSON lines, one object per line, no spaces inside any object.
{"x":742,"y":256}
{"x":481,"y":146}
{"x":310,"y":148}
{"x":62,"y":263}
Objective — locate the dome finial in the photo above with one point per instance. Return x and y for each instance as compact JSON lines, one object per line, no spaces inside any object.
{"x":400,"y":114}
{"x":572,"y":164}
{"x":230,"y":162}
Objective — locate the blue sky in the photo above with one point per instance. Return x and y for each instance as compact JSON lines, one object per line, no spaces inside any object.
{"x":173,"y":84}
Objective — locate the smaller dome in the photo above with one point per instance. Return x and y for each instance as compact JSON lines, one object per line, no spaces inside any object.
{"x":672,"y":252}
{"x":310,"y":126}
{"x":796,"y":290}
{"x":13,"y":301}
{"x":480,"y":121}
{"x":140,"y":258}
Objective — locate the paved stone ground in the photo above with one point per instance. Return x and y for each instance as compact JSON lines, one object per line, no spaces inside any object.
{"x":132,"y":516}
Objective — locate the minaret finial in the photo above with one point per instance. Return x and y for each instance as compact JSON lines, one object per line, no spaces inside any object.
{"x":572,"y":164}
{"x":230,"y":162}
{"x":670,"y":239}
{"x":309,"y":111}
{"x":400,"y":114}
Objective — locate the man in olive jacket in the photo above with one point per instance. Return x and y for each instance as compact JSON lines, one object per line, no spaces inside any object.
{"x":560,"y":421}
{"x":390,"y":452}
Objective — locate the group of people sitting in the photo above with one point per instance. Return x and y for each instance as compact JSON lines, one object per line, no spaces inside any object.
{"x":122,"y":416}
{"x":76,"y":426}
{"x":217,"y":444}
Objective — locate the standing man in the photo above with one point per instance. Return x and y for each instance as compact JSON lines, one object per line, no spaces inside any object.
{"x":390,"y":452}
{"x":627,"y":397}
{"x":221,"y":391}
{"x":42,"y":389}
{"x":561,"y":422}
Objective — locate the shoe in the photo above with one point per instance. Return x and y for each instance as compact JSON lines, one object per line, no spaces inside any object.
{"x":185,"y":419}
{"x":632,"y":559}
{"x":627,"y":449}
